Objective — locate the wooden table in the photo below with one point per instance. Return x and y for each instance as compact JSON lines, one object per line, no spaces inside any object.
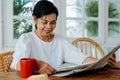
{"x":101,"y":74}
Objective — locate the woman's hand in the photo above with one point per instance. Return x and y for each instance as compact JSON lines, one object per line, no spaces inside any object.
{"x":112,"y":60}
{"x":44,"y":68}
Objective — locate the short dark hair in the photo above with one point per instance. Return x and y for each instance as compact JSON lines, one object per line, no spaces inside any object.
{"x":44,"y":7}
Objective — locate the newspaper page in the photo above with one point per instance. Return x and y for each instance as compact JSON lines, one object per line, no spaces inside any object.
{"x":68,"y":69}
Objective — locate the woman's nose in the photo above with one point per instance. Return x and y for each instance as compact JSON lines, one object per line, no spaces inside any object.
{"x":48,"y":25}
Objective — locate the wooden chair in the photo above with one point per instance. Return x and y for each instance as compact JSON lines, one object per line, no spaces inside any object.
{"x":5,"y":61}
{"x":89,"y":47}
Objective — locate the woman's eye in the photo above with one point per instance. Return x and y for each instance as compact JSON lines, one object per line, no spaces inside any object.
{"x":44,"y":22}
{"x":54,"y":22}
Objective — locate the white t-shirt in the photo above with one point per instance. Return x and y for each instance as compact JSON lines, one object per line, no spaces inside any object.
{"x":54,"y":53}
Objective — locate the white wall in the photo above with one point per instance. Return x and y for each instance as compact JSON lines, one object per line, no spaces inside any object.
{"x":1,"y":39}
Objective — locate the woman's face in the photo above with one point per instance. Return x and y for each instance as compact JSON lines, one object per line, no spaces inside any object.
{"x":46,"y":24}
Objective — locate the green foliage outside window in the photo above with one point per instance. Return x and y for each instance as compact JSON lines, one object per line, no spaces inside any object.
{"x":21,"y":25}
{"x":92,"y":11}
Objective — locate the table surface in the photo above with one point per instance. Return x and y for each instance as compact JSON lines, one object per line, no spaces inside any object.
{"x":105,"y":73}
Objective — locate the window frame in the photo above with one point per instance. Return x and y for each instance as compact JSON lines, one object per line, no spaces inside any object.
{"x":98,"y":39}
{"x":109,"y":40}
{"x":8,"y":24}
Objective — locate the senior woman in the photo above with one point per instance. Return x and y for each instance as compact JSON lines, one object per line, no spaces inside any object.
{"x":50,"y":49}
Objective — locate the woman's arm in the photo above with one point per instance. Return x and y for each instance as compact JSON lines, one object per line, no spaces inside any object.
{"x":90,"y":59}
{"x":18,"y":66}
{"x":111,"y":61}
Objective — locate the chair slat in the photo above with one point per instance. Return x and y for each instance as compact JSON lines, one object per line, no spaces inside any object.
{"x":96,"y":52}
{"x":86,"y":48}
{"x":90,"y":49}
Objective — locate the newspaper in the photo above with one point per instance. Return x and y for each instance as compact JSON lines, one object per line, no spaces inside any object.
{"x":68,"y":69}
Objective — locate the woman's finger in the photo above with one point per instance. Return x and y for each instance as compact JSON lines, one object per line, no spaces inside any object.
{"x":47,"y":69}
{"x":51,"y":69}
{"x":111,"y":61}
{"x":48,"y":72}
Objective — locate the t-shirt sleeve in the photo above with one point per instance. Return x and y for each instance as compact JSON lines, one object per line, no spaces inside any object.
{"x":72,"y":54}
{"x":22,"y":50}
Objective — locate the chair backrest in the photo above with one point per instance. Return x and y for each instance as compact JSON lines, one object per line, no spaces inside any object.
{"x":5,"y":61}
{"x":89,"y":47}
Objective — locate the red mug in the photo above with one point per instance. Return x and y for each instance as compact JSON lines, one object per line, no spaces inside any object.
{"x":28,"y":67}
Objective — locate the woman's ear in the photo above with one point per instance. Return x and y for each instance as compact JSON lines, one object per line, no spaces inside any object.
{"x":35,"y":20}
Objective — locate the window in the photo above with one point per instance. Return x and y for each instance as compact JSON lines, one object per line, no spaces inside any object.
{"x":113,"y":19}
{"x":82,"y":18}
{"x":22,"y":22}
{"x":97,"y":19}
